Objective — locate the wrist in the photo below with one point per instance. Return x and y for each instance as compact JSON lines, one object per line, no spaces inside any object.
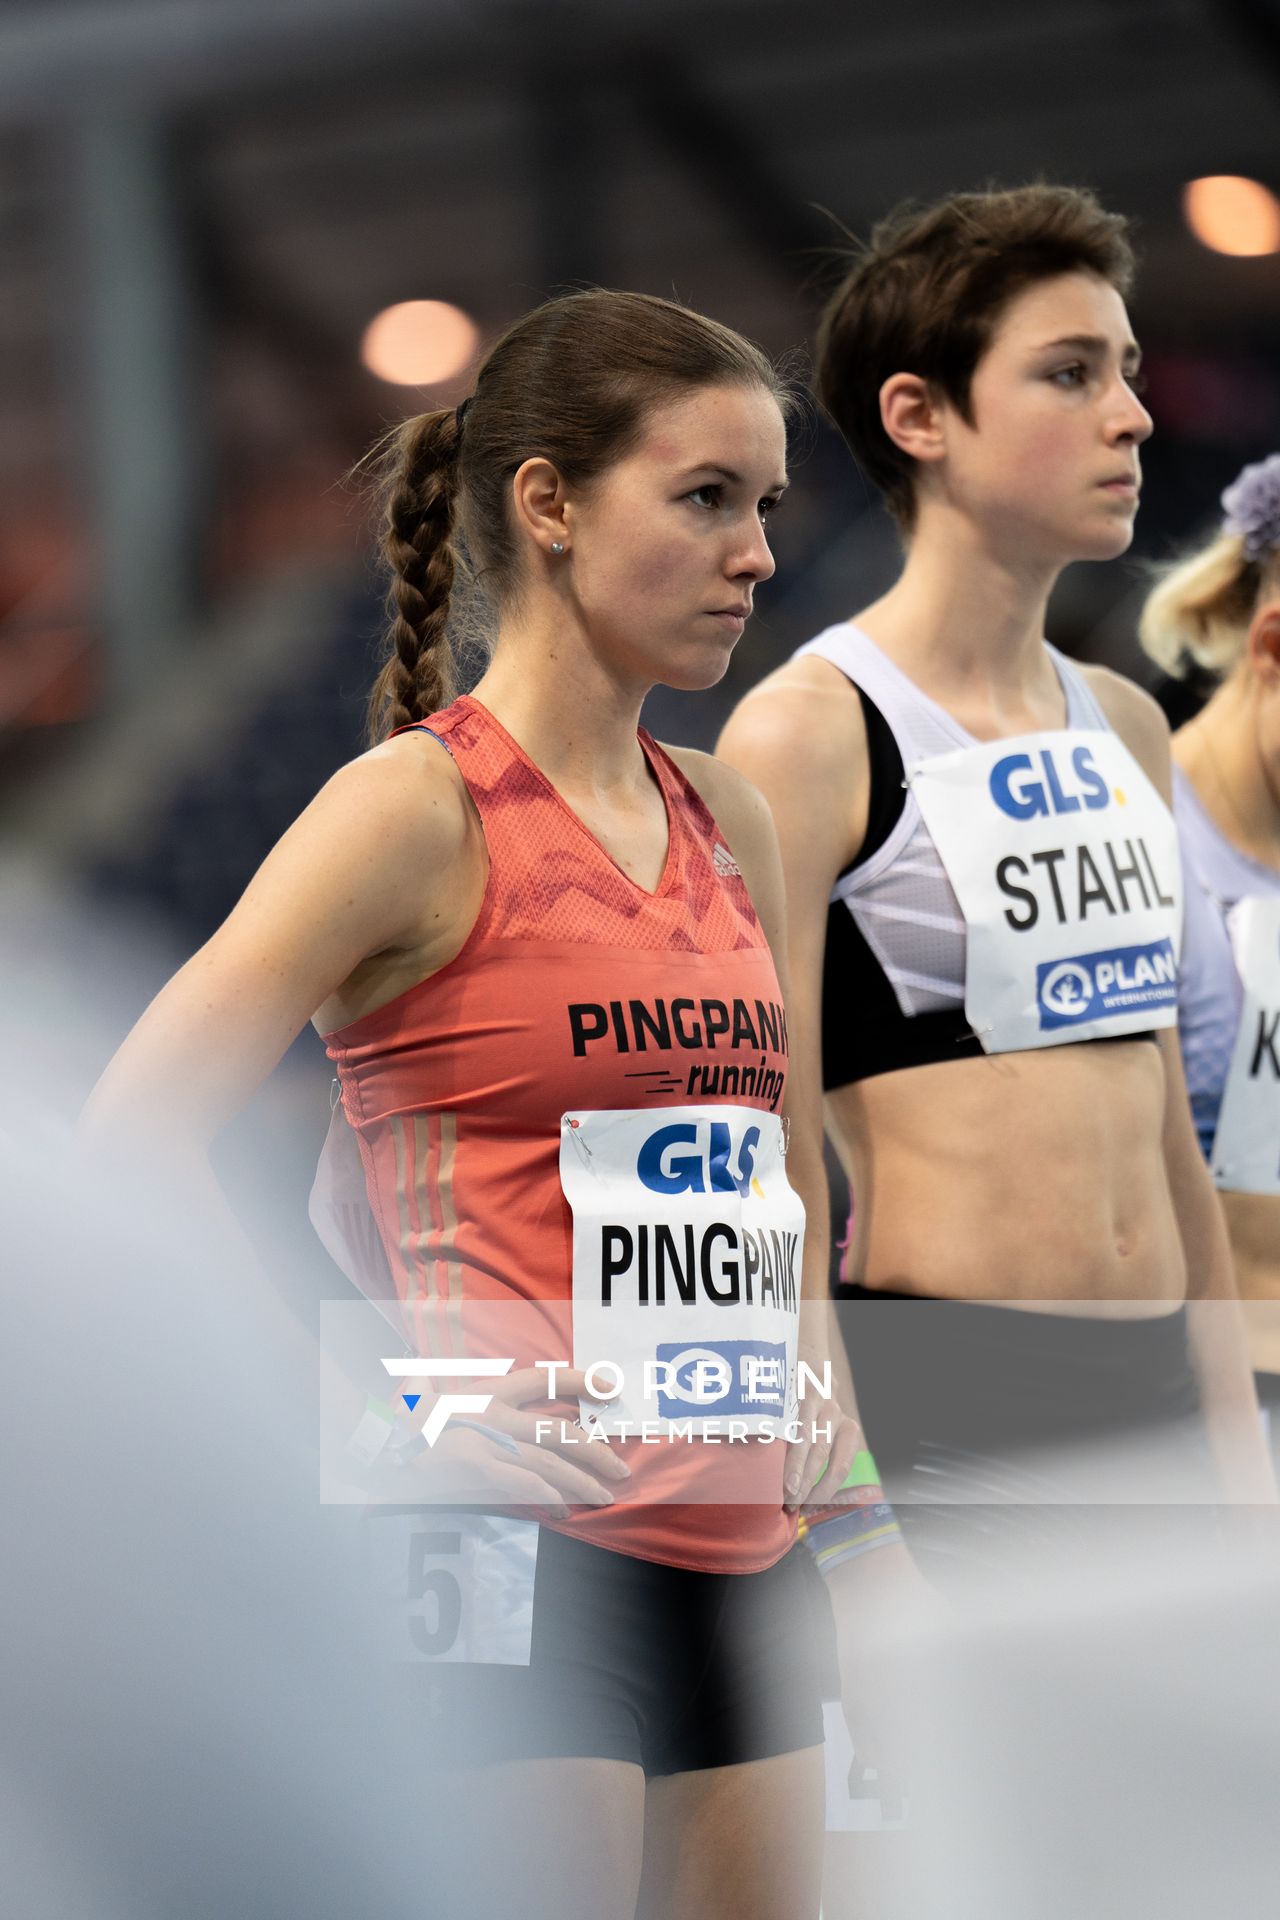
{"x":835,"y":1535}
{"x":371,"y":1433}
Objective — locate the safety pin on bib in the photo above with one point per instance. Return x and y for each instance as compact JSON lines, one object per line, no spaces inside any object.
{"x":574,"y":1128}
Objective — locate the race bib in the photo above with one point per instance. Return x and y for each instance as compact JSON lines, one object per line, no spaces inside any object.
{"x":1064,"y":860}
{"x":1246,"y":1146}
{"x":453,"y":1586}
{"x":687,"y":1244}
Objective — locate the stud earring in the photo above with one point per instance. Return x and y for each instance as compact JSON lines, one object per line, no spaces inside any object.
{"x":557,"y":546}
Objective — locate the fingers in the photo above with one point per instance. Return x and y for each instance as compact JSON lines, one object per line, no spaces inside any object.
{"x":813,"y":1457}
{"x":570,"y":1483}
{"x":594,"y":1456}
{"x":544,"y":1383}
{"x":847,"y":1441}
{"x":807,"y":1457}
{"x":549,"y":1432}
{"x":478,"y":1471}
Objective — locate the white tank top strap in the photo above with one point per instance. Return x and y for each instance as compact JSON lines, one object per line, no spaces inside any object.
{"x":919,"y":725}
{"x":1083,"y":709}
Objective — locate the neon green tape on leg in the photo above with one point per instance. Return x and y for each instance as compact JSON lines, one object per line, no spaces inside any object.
{"x":863,"y":1472}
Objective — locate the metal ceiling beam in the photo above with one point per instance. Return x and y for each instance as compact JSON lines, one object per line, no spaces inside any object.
{"x":59,"y":55}
{"x":1257,"y":24}
{"x":770,"y":215}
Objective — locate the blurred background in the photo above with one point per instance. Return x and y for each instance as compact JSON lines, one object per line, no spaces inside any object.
{"x":239,"y":240}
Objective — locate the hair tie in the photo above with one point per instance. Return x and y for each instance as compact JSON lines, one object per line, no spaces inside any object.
{"x":460,"y":412}
{"x":1251,"y":506}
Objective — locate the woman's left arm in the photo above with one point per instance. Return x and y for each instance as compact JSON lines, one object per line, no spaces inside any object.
{"x":743,"y":816}
{"x":1215,"y":1324}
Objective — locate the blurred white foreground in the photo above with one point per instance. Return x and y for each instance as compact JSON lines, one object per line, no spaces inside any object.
{"x":191,"y":1722}
{"x":1105,"y":1744}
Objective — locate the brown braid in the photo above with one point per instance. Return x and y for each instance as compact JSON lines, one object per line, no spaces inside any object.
{"x":419,"y":484}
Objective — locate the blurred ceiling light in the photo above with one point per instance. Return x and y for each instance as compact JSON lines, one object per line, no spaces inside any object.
{"x":1232,"y":214}
{"x":419,"y":343}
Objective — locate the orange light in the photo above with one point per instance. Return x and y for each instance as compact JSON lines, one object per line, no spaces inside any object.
{"x":419,"y":343}
{"x":1233,"y":215}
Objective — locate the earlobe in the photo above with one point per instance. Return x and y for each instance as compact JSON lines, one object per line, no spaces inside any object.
{"x":911,"y":417}
{"x":1264,"y":643}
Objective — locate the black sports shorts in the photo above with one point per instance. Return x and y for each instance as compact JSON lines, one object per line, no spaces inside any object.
{"x":632,"y":1660}
{"x":1268,"y":1386}
{"x":1001,"y":1435}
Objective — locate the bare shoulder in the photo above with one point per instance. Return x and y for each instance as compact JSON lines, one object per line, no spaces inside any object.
{"x":807,"y":715}
{"x":1124,"y":702}
{"x":405,"y":796}
{"x":1136,"y":717}
{"x":722,"y":788}
{"x":802,"y":737}
{"x":736,"y":802}
{"x":742,"y":814}
{"x":366,"y":893}
{"x":378,"y":855}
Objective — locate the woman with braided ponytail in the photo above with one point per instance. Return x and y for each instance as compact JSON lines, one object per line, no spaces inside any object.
{"x":540,"y":949}
{"x":1218,"y":610}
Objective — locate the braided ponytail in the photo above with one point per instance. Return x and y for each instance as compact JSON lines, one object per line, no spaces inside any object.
{"x":418,"y":488}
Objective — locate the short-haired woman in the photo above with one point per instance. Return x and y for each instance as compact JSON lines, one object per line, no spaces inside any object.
{"x":983,"y":904}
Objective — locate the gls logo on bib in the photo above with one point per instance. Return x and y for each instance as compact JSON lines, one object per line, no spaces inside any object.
{"x":689,"y":1157}
{"x":1024,"y":798}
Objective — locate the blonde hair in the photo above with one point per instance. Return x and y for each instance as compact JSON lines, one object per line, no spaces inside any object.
{"x":1199,"y":611}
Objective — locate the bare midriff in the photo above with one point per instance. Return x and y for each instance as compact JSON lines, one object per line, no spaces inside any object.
{"x":1037,"y":1179}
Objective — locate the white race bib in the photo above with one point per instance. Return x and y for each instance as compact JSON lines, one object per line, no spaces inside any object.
{"x":1246,"y":1146}
{"x":687,"y":1245}
{"x":1064,"y":859}
{"x":453,"y":1586}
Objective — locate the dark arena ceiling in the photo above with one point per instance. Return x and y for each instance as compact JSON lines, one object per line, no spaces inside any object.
{"x":327,"y":157}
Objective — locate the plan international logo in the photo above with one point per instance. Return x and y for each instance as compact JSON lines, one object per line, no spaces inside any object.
{"x":1115,"y":981}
